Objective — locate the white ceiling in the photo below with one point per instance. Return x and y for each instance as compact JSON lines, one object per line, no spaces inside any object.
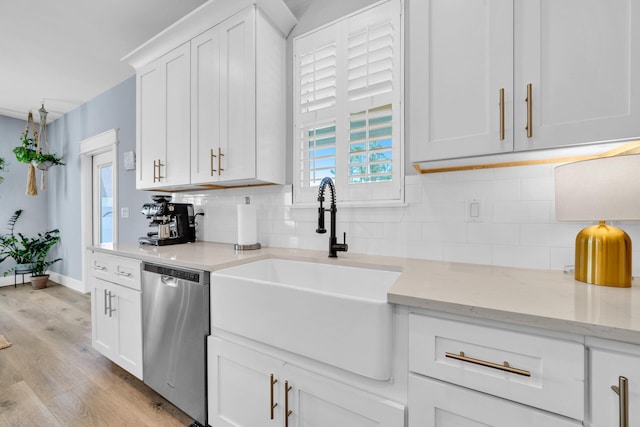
{"x":67,"y":52}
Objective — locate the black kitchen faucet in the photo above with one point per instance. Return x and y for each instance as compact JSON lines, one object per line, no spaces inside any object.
{"x":334,"y":246}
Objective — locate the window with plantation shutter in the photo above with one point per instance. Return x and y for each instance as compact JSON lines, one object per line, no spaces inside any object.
{"x":348,"y":107}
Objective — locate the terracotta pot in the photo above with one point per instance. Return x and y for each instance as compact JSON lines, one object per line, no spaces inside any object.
{"x":39,"y":282}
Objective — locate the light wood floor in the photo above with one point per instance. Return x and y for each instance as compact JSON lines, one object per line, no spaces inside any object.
{"x":51,"y":376}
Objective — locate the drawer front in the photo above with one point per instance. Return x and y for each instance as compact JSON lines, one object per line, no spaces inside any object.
{"x":436,"y":404}
{"x":115,"y":269}
{"x":542,"y":372}
{"x":127,"y":272}
{"x":605,"y":370}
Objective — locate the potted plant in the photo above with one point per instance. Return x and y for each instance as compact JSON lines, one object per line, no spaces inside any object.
{"x":29,"y":253}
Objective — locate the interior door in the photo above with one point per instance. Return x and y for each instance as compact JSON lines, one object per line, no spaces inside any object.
{"x":103,"y":197}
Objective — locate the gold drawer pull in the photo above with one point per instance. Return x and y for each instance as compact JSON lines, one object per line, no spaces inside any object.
{"x":504,"y":367}
{"x":287,"y":411}
{"x":273,"y":404}
{"x":220,"y":156}
{"x":211,"y":162}
{"x":501,"y":114}
{"x":529,"y":101}
{"x":622,"y":390}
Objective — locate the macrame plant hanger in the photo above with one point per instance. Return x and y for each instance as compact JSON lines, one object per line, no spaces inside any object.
{"x":32,"y":187}
{"x":43,"y":136}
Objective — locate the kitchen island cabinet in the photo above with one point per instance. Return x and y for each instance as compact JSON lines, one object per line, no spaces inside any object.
{"x":496,"y":77}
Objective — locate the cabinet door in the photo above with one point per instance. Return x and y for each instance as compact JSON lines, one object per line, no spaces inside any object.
{"x":437,"y":404}
{"x":205,"y":106}
{"x":316,"y":401}
{"x":178,"y":117}
{"x":150,"y":139}
{"x":582,"y":59}
{"x":126,"y":310}
{"x":238,"y":97}
{"x":605,"y":370}
{"x":163,"y":105}
{"x":103,"y":334}
{"x":239,"y":382}
{"x":461,"y":57}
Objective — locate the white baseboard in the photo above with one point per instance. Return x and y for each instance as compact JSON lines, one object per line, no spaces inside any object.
{"x":69,"y":282}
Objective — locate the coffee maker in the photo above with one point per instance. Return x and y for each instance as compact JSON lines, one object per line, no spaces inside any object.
{"x":172,"y":223}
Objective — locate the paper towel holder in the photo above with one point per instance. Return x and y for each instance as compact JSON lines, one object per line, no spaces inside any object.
{"x":250,"y":247}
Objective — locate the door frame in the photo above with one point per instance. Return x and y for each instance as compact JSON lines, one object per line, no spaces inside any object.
{"x":106,"y":142}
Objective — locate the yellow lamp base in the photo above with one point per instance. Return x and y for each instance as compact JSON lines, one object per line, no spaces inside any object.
{"x":603,"y":256}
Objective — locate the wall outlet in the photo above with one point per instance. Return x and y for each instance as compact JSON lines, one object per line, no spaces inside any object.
{"x":474,"y":210}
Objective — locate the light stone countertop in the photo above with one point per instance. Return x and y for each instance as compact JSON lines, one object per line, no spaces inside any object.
{"x":544,"y":299}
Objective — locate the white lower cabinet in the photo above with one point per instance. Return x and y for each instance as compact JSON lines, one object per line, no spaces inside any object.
{"x":248,"y":388}
{"x":116,"y":311}
{"x":468,"y":374}
{"x":437,"y":404}
{"x":618,"y":368}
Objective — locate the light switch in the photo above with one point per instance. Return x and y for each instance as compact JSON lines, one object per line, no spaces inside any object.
{"x":124,"y":212}
{"x":474,"y":209}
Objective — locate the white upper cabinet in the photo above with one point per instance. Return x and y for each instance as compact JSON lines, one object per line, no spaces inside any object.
{"x":461,"y":58}
{"x":214,"y":115}
{"x":472,"y":65}
{"x":162,"y":143}
{"x":582,"y":60}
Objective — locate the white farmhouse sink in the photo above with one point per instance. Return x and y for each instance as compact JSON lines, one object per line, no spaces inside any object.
{"x":334,"y":314}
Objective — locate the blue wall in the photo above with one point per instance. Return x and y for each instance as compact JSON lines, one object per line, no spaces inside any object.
{"x":114,"y":108}
{"x":12,"y":190}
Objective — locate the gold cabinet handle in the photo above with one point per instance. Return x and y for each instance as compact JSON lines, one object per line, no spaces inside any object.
{"x":504,"y":367}
{"x":622,"y":390}
{"x":220,"y":155}
{"x":501,"y":114}
{"x":273,"y":382}
{"x":156,"y":166}
{"x":287,"y":411}
{"x":211,"y":162}
{"x":529,"y":101}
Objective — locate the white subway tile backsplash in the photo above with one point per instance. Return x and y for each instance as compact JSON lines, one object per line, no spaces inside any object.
{"x":516,"y":226}
{"x":521,"y":212}
{"x":468,"y":252}
{"x":495,"y":234}
{"x":541,"y":188}
{"x":521,"y":256}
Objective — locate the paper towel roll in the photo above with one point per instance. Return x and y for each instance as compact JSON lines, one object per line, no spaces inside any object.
{"x":247,"y":225}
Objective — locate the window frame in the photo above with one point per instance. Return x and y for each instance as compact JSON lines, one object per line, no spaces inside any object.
{"x":359,"y":194}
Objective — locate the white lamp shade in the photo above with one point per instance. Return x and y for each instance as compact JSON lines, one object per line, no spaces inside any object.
{"x":601,"y":189}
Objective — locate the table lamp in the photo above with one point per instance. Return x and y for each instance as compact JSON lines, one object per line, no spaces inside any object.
{"x":600,"y":189}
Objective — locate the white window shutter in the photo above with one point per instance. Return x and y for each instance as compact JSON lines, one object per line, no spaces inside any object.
{"x":347,"y":113}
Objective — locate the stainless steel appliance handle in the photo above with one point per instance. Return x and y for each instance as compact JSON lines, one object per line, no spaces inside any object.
{"x":169,"y":281}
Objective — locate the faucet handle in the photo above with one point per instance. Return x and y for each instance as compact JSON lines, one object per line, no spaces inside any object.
{"x":321,"y":228}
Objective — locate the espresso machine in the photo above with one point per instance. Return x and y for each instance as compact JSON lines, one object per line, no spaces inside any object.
{"x":171,"y":223}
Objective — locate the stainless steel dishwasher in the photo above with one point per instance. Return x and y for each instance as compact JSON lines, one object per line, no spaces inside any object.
{"x":175,"y":326}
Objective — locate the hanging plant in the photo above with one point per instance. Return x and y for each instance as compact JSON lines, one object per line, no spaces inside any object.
{"x":31,"y":152}
{"x":28,"y":153}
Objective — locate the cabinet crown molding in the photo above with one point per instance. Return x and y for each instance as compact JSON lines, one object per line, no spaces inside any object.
{"x":201,"y":19}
